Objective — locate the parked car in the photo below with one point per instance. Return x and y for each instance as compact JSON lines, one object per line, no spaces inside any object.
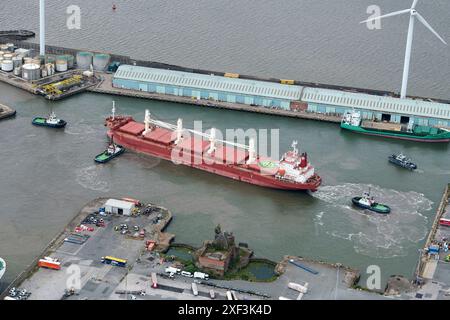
{"x":187,"y":274}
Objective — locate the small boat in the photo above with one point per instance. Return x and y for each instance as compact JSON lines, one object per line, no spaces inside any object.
{"x":367,"y":202}
{"x":402,"y":161}
{"x":113,"y":151}
{"x":52,"y":121}
{"x":2,"y":267}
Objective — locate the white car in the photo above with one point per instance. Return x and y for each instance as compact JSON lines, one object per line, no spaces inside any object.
{"x":172,"y":270}
{"x":201,"y":275}
{"x":187,"y":274}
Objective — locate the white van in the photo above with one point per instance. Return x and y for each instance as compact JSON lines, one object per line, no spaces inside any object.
{"x":187,"y":274}
{"x":172,"y":270}
{"x":201,"y":275}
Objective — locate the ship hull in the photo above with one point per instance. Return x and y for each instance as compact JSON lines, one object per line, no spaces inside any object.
{"x":137,"y":144}
{"x":439,"y":138}
{"x":2,"y":267}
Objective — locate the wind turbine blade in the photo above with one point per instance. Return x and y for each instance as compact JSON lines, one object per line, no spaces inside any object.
{"x":396,"y":13}
{"x":414,"y":4}
{"x":426,"y":24}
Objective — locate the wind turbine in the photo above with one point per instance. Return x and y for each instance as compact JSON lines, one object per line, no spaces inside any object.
{"x":413,"y":16}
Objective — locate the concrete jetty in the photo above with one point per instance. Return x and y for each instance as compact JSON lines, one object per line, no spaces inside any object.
{"x":6,"y":112}
{"x":84,"y":259}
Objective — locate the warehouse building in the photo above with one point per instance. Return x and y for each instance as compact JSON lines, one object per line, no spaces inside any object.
{"x":119,"y":207}
{"x":381,"y":108}
{"x":292,"y":97}
{"x":209,"y":87}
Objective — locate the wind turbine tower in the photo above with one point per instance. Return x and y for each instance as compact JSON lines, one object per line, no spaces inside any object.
{"x":42,"y":27}
{"x":413,"y":16}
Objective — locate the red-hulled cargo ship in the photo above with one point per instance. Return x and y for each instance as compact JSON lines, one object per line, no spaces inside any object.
{"x":204,"y":152}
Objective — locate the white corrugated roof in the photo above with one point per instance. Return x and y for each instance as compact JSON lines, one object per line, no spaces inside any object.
{"x":377,"y":103}
{"x":209,"y":82}
{"x":119,"y":204}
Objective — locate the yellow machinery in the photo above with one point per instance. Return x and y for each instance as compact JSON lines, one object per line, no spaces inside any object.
{"x":59,"y":87}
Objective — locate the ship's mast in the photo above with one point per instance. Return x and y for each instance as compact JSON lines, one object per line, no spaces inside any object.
{"x":179,"y":130}
{"x":251,"y":151}
{"x":113,"y":111}
{"x":147,"y":121}
{"x":212,"y":140}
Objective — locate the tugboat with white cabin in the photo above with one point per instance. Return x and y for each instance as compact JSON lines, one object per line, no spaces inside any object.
{"x":51,"y":121}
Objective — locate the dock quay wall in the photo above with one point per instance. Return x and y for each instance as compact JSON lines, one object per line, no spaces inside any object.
{"x":105,"y":87}
{"x":440,"y":211}
{"x":160,"y":65}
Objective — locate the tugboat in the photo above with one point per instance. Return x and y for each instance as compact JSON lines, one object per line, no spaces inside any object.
{"x":52,"y":121}
{"x":111,"y":152}
{"x":402,"y":161}
{"x":367,"y":202}
{"x":2,"y":267}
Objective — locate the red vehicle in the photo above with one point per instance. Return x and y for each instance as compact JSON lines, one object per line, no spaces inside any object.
{"x":49,"y":263}
{"x":444,"y":222}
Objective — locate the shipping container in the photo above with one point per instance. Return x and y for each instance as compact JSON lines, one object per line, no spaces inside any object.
{"x":231,"y":75}
{"x":285,"y":81}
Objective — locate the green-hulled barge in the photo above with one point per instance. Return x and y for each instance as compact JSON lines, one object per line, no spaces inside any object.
{"x":352,"y":121}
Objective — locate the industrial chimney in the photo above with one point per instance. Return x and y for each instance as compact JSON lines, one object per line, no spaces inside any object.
{"x":42,"y":27}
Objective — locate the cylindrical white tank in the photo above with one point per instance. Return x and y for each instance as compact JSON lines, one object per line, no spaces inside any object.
{"x":84,"y":60}
{"x":31,"y":71}
{"x":50,"y":67}
{"x":7,"y":65}
{"x":17,"y":71}
{"x":3,"y":47}
{"x":37,"y":60}
{"x":101,"y":61}
{"x":17,"y":61}
{"x":10,"y":47}
{"x":44,"y":72}
{"x":61,"y":65}
{"x":7,"y":56}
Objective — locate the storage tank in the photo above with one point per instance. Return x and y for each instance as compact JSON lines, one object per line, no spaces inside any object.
{"x":44,"y":72}
{"x":17,"y":71}
{"x":7,"y":65}
{"x":11,"y":47}
{"x":38,"y":60}
{"x":23,"y":52}
{"x":17,"y":61}
{"x":50,"y":59}
{"x":3,"y":47}
{"x":84,"y":60}
{"x":101,"y":61}
{"x":61,"y":65}
{"x":7,"y":56}
{"x":70,"y":60}
{"x":50,"y":67}
{"x":31,"y":71}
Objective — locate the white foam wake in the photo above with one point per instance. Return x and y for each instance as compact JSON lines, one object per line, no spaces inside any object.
{"x":89,"y":178}
{"x":373,"y":234}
